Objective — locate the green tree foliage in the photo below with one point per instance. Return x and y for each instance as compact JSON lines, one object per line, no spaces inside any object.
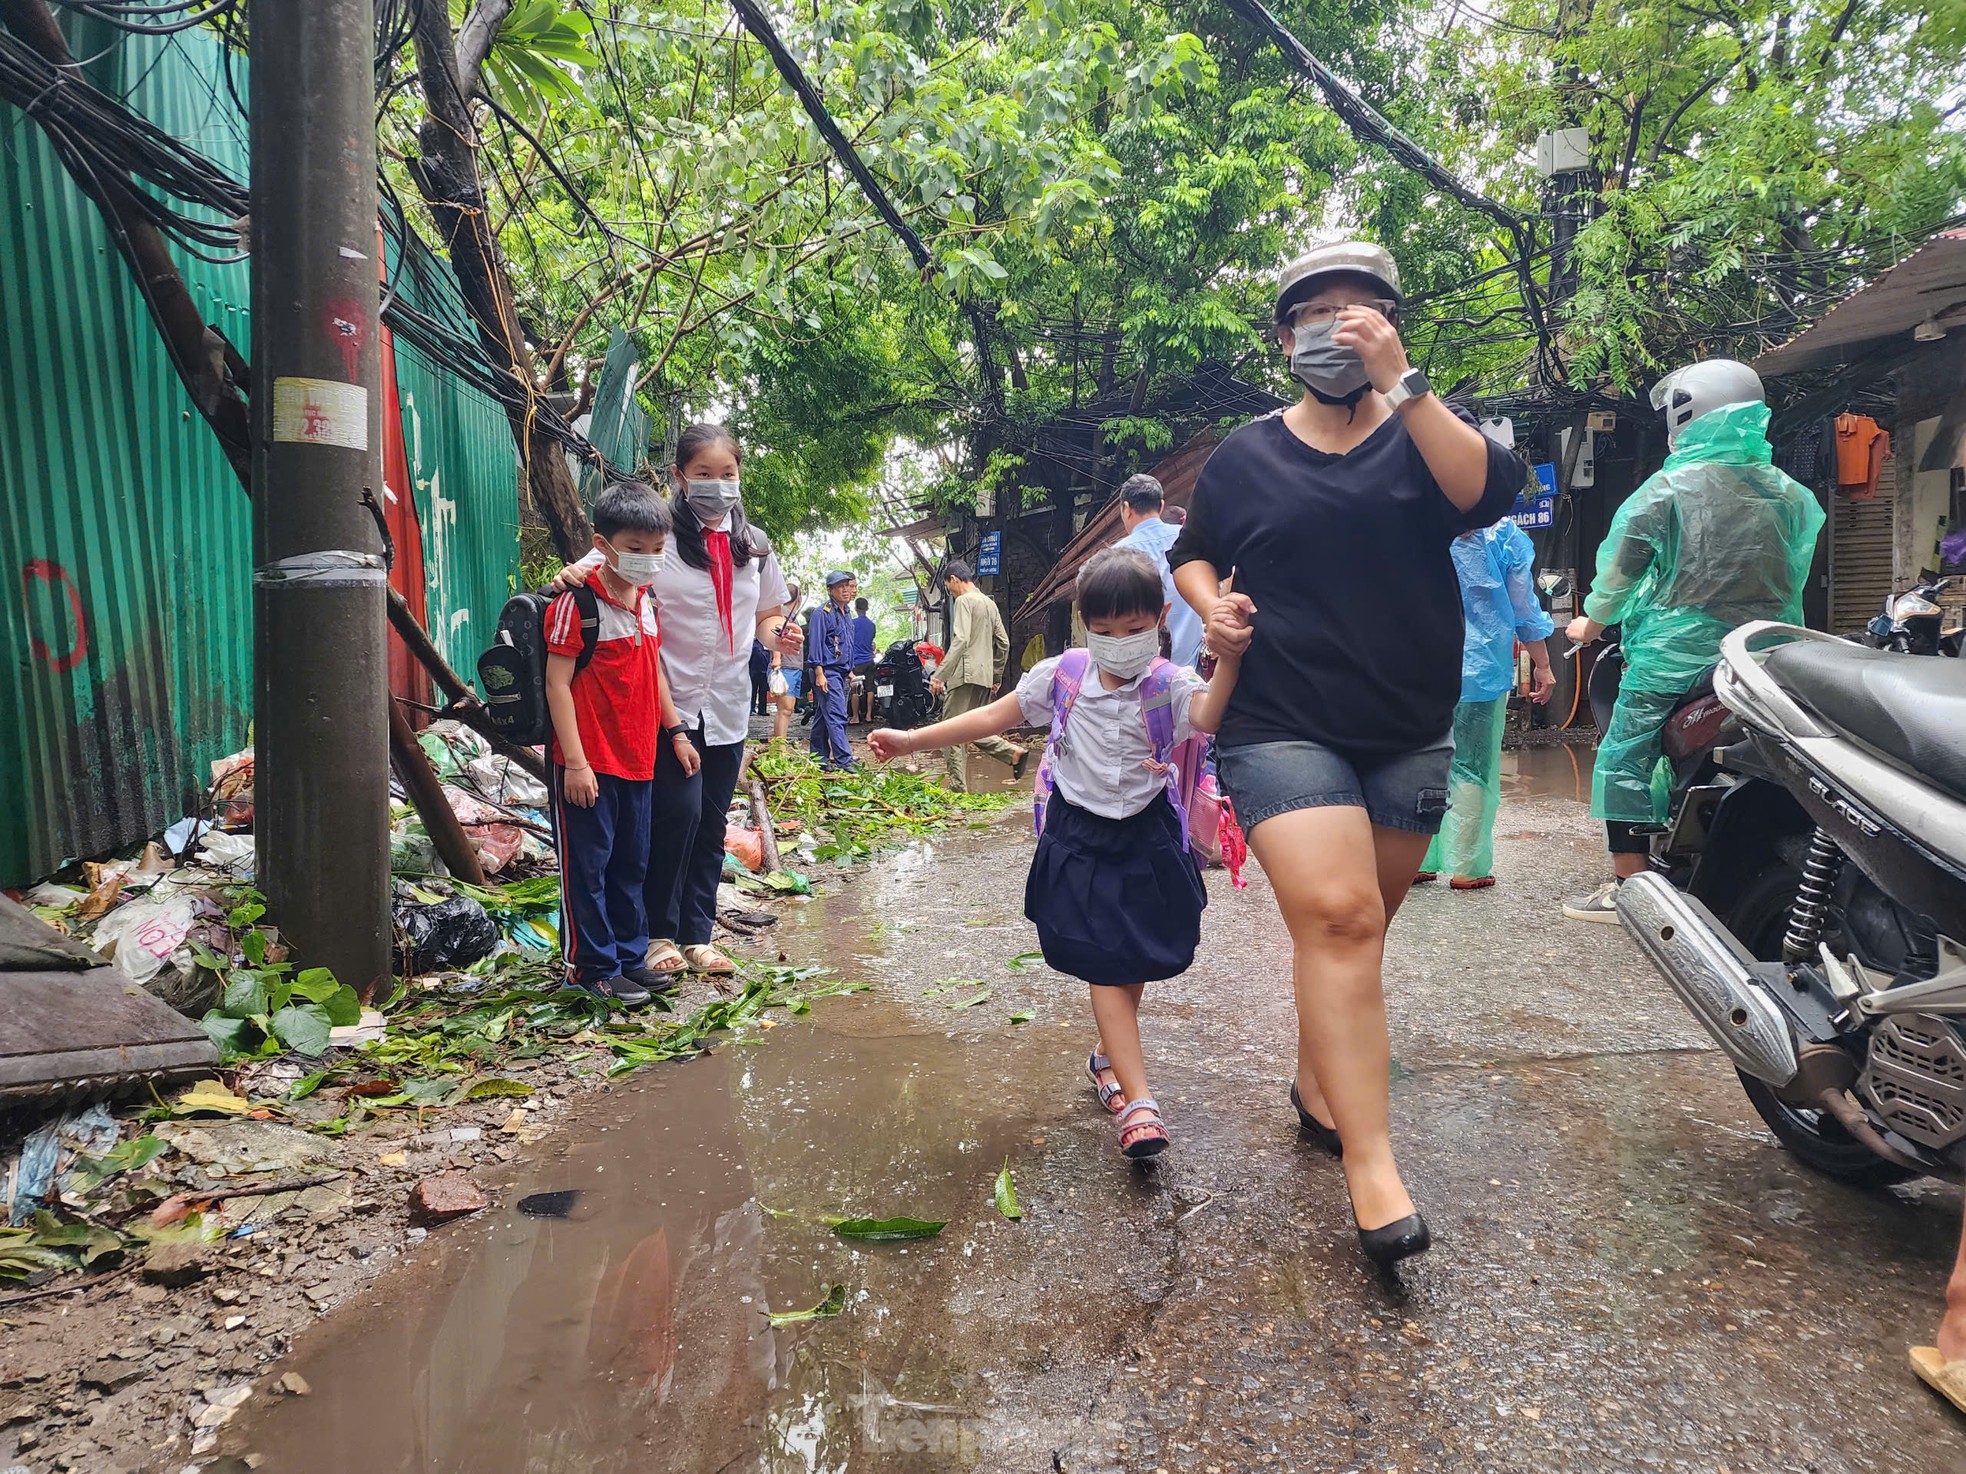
{"x":1755,"y":159}
{"x":1106,"y":189}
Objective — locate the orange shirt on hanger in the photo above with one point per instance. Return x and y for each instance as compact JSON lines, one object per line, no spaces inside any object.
{"x":1861,"y":446}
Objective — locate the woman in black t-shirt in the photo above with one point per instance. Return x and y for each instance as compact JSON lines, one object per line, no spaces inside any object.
{"x":1318,"y":540}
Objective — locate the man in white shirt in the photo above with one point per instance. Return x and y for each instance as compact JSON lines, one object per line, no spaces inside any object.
{"x":1142,"y":501}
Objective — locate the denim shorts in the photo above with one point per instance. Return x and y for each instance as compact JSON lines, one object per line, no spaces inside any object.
{"x":1407,"y":790}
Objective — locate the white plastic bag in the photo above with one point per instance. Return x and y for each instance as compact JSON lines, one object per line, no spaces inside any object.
{"x":140,"y":935}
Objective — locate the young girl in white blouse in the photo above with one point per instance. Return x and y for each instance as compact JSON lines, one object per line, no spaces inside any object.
{"x":1115,"y":889}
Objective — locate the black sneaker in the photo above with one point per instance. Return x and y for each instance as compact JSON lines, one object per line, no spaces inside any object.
{"x":622,"y":990}
{"x":653,"y":983}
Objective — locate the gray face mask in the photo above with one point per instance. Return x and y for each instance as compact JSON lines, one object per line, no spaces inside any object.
{"x":711,"y":500}
{"x":1331,"y":371}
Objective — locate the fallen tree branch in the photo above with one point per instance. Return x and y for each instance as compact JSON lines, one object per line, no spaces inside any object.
{"x":426,"y":791}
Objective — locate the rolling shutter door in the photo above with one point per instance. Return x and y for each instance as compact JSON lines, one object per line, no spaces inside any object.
{"x":1862,"y":541}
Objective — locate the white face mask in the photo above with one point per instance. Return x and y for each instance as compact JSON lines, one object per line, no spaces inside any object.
{"x":711,"y":500}
{"x":1124,"y":656}
{"x":639,"y":569}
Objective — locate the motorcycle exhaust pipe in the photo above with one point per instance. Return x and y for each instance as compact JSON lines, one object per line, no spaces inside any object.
{"x":1713,"y":975}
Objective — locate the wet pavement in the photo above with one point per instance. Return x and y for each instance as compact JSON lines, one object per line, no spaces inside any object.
{"x":1628,"y":1273}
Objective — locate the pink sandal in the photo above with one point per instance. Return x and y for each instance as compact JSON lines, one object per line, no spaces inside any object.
{"x":1111,"y":1094}
{"x":1143,"y":1135}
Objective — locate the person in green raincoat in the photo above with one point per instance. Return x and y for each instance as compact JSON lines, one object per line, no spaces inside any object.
{"x":1496,"y":565}
{"x":1716,"y":538}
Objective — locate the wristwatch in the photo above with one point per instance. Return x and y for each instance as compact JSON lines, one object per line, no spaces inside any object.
{"x":1413,"y":384}
{"x":672,"y":733}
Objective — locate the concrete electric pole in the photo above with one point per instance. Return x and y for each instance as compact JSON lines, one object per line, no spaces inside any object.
{"x":321,"y":730}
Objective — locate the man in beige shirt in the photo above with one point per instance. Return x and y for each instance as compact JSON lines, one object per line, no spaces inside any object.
{"x":978,"y":647}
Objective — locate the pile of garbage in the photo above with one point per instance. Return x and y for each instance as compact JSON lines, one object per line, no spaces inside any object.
{"x":501,"y":806}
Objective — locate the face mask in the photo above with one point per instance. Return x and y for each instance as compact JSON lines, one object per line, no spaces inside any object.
{"x":1124,"y":656}
{"x":639,"y":569}
{"x":1331,"y":371}
{"x":711,"y":500}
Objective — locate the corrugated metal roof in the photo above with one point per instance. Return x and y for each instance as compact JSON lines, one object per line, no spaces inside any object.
{"x":1928,"y":284}
{"x":126,"y":537}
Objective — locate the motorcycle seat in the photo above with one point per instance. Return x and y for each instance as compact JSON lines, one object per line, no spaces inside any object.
{"x":1909,"y":709}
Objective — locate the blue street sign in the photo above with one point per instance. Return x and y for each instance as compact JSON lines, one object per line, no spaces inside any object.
{"x":1536,"y":504}
{"x":989,"y":553}
{"x":1541,"y":513}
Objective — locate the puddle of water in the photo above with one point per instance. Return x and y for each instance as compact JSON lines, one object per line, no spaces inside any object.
{"x":612,"y":1314}
{"x":1560,"y":771}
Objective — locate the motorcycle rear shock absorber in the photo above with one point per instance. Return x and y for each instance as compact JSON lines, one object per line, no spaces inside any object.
{"x":1811,"y":909}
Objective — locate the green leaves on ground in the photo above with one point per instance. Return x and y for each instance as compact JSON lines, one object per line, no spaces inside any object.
{"x":265,"y":1010}
{"x":971,"y":1001}
{"x":1023,"y":1015}
{"x":887,"y":1230}
{"x":1006,"y":1195}
{"x":462,"y":1041}
{"x":852,"y":815}
{"x":47,"y":1246}
{"x":826,"y":1309}
{"x":1025,"y":959}
{"x":89,"y":1173}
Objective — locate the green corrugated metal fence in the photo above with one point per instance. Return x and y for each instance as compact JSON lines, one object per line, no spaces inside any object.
{"x":125,"y":539}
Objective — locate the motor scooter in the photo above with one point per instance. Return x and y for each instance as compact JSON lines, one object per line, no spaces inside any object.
{"x":1818,"y":927}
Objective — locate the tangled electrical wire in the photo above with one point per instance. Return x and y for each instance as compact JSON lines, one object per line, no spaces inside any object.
{"x":112,"y":151}
{"x":104,"y":145}
{"x":151,"y":20}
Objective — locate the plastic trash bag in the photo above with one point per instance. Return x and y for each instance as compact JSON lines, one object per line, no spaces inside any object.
{"x":233,"y":853}
{"x":747,"y":845}
{"x":48,"y":1153}
{"x":504,"y":781}
{"x":444,"y":936}
{"x":141,"y":935}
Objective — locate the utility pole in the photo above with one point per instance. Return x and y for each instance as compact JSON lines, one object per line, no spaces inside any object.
{"x":320,"y":668}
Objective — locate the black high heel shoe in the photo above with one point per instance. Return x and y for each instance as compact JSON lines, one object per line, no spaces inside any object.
{"x":1401,"y":1239}
{"x":1325,"y":1136}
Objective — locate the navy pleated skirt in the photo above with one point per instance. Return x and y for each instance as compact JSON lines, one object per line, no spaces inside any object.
{"x":1115,"y":901}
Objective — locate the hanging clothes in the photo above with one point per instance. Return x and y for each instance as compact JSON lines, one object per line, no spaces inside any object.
{"x":1861,"y":446}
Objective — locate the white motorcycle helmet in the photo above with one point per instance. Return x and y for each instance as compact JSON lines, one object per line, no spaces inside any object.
{"x":1701,"y":388}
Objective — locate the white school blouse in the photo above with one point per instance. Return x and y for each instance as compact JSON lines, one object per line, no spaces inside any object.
{"x":1102,"y":757}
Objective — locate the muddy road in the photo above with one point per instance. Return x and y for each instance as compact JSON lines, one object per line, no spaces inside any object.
{"x":1628,"y":1273}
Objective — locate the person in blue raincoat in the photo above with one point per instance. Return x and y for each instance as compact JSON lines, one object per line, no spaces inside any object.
{"x":1498,"y":597}
{"x":1716,"y":538}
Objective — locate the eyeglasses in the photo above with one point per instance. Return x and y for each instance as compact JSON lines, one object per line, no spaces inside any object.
{"x":1317,"y":315}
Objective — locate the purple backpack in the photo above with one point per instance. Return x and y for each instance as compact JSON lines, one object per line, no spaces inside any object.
{"x":1181,"y":764}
